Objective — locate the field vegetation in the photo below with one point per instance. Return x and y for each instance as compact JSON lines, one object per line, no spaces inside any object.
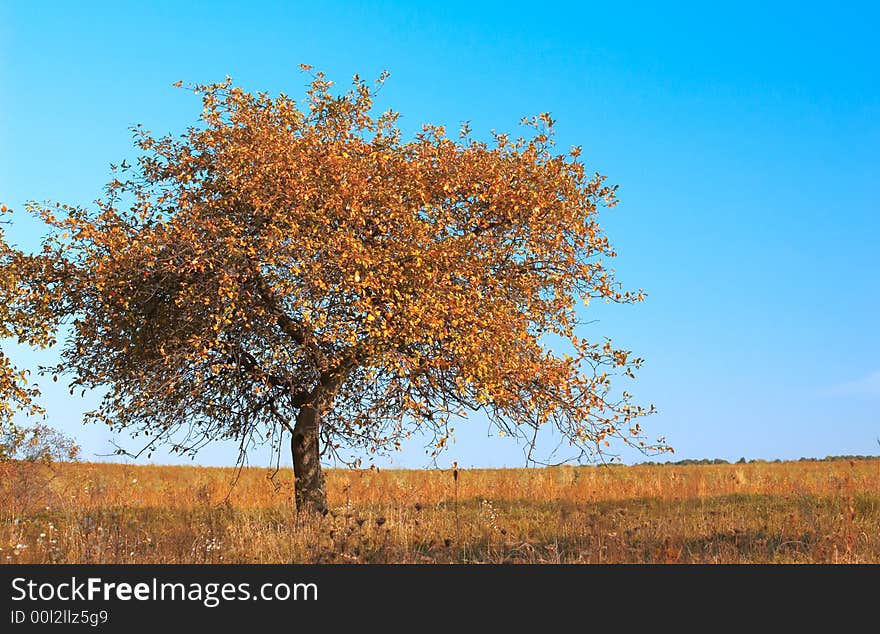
{"x":806,"y":511}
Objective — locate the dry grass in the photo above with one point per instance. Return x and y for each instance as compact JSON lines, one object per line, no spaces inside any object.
{"x":757,"y":512}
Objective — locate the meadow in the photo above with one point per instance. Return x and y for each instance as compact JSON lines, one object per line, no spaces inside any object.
{"x":801,"y":512}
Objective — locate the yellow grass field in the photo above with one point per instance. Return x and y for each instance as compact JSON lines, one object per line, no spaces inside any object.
{"x":822,"y":511}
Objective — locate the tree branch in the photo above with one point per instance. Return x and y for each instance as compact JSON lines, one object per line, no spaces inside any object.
{"x":288,"y":325}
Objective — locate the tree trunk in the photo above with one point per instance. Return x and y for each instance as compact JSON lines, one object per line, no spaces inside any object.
{"x":310,"y":493}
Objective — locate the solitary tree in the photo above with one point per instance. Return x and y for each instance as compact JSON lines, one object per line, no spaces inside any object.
{"x":307,"y":269}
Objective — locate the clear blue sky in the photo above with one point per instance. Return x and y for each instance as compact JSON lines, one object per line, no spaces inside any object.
{"x":745,"y":139}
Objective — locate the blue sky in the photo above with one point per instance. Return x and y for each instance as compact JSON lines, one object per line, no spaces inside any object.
{"x":744,"y":139}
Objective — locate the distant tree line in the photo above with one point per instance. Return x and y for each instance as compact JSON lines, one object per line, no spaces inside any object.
{"x":715,"y":461}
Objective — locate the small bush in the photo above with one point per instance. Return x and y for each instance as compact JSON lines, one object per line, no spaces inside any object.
{"x":39,"y":443}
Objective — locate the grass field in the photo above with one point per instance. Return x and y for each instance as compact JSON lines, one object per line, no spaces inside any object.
{"x":757,"y":512}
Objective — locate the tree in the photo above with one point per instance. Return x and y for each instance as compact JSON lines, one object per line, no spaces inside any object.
{"x":28,"y":300}
{"x":308,"y":270}
{"x":38,"y":443}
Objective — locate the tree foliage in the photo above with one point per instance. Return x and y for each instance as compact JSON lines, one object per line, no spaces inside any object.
{"x":28,"y":309}
{"x":37,"y":443}
{"x":281,"y":256}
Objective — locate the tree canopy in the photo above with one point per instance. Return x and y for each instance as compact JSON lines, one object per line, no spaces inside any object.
{"x":304,"y":267}
{"x":27,"y":316}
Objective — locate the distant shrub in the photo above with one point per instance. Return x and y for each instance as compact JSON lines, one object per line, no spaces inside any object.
{"x":39,"y":443}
